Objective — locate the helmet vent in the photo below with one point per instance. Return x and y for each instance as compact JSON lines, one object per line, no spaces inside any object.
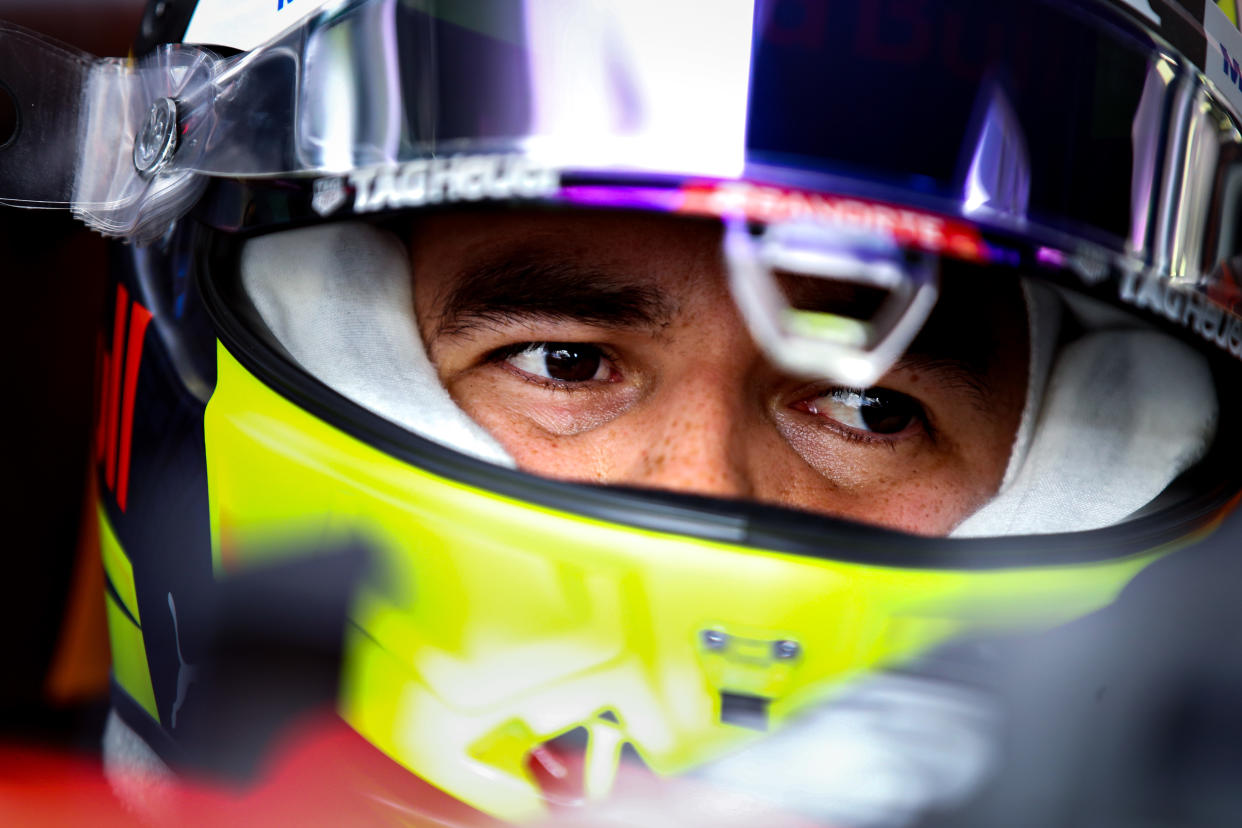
{"x":744,"y":711}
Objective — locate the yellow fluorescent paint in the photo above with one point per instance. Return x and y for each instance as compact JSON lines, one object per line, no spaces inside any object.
{"x":490,"y":626}
{"x":830,"y":326}
{"x":129,"y":652}
{"x":116,"y":564}
{"x":1230,"y":8}
{"x":129,"y":658}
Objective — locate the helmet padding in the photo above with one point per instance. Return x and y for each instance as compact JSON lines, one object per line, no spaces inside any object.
{"x":1124,"y":411}
{"x":338,"y":298}
{"x":1110,"y":419}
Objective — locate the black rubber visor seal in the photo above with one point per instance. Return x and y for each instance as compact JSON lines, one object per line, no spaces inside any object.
{"x":764,"y":527}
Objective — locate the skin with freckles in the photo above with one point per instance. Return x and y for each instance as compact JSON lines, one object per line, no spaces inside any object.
{"x":605,"y":347}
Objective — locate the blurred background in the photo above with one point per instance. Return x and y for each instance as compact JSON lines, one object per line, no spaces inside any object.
{"x":56,"y":666}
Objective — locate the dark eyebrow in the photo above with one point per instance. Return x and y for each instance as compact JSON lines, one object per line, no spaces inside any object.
{"x":539,"y":284}
{"x":962,"y":374}
{"x":536,"y":285}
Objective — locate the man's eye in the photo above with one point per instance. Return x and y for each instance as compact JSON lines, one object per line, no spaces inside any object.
{"x":562,"y":361}
{"x":874,"y":410}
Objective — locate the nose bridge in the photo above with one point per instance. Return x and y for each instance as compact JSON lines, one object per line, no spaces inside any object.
{"x":700,"y":433}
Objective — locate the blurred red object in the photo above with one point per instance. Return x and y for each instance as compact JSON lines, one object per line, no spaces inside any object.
{"x":324,"y":774}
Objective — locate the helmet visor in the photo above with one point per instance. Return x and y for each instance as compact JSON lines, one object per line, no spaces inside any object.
{"x":951,"y":107}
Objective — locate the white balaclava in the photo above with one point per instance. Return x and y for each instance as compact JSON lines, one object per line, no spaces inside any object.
{"x":338,"y":298}
{"x":1110,"y":418}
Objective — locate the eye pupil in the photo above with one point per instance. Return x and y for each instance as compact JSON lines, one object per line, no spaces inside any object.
{"x":571,"y":363}
{"x":886,"y":412}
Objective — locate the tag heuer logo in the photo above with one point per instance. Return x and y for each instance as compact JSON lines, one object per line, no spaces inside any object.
{"x":329,"y":194}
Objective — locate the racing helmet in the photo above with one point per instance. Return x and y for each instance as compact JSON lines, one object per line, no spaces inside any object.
{"x":1051,"y":187}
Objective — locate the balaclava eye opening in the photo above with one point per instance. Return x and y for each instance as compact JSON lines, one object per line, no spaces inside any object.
{"x":1110,"y":418}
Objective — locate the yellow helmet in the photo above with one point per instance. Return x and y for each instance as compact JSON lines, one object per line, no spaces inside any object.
{"x":266,"y":392}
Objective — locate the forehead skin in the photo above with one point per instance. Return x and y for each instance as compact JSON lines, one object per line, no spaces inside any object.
{"x":692,"y":405}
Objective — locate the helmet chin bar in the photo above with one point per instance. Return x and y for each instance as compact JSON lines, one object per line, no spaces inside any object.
{"x":851,"y":350}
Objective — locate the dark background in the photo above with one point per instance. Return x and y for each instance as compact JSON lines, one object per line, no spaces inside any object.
{"x":54,"y":289}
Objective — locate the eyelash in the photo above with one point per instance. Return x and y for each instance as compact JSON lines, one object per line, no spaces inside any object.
{"x":854,"y":435}
{"x":501,"y":356}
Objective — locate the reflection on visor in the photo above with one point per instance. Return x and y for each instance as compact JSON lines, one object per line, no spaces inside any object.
{"x":955,"y":106}
{"x":1109,"y":149}
{"x":821,"y":342}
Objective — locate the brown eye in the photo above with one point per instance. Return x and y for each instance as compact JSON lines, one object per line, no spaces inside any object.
{"x":572,"y":363}
{"x":887,"y":412}
{"x":562,"y":361}
{"x":874,"y":410}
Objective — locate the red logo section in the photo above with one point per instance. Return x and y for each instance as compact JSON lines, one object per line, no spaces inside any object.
{"x":914,"y":228}
{"x":117,"y":383}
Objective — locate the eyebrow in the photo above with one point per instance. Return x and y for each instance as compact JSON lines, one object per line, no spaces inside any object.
{"x":953,"y":372}
{"x":532,"y":285}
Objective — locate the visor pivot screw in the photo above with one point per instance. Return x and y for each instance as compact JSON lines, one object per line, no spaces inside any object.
{"x":785,"y":649}
{"x":714,"y":639}
{"x":157,"y":139}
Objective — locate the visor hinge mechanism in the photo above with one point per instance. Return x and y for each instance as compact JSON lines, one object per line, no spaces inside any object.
{"x":156,"y":142}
